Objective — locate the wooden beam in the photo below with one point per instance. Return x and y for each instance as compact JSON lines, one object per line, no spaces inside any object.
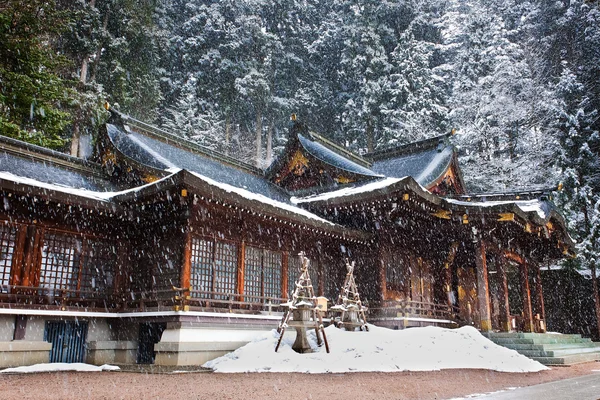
{"x":483,"y":289}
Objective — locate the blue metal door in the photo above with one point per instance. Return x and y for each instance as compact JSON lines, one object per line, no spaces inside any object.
{"x":68,"y":340}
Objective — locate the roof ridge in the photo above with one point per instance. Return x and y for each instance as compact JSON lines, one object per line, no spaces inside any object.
{"x":188,"y":144}
{"x":339,"y":149}
{"x":423,"y":144}
{"x":22,"y":148}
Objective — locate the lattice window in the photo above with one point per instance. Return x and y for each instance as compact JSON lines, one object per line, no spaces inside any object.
{"x":262,"y":273}
{"x":226,"y":260}
{"x":253,"y":281}
{"x":98,"y":269}
{"x":214,"y":267}
{"x":8,"y":236}
{"x":272,"y":273}
{"x":202,"y":270}
{"x":61,"y":259}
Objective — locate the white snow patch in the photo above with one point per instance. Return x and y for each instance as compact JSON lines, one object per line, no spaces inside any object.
{"x":524,"y":205}
{"x":104,"y":196}
{"x":379,"y":350}
{"x":369,"y":187}
{"x":58,"y":367}
{"x":261,"y":198}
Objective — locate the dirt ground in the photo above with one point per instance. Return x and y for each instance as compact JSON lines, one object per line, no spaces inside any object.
{"x":445,"y":384}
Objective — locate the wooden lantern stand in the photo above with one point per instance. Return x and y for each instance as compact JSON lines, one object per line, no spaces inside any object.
{"x":303,"y":313}
{"x":349,"y":304}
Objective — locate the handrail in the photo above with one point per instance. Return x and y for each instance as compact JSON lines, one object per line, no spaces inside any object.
{"x":413,"y":308}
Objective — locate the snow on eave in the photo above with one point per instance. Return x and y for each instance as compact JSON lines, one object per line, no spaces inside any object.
{"x":78,"y":192}
{"x":383,"y":186}
{"x":348,"y":191}
{"x":248,"y":195}
{"x":526,"y":206}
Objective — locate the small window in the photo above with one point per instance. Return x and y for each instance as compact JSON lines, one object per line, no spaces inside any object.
{"x":214,"y":268}
{"x":61,"y":261}
{"x":98,"y":269}
{"x":8,"y":234}
{"x":262,"y":274}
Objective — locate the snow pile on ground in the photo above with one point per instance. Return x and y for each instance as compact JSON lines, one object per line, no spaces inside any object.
{"x":379,"y":350}
{"x":59,"y":367}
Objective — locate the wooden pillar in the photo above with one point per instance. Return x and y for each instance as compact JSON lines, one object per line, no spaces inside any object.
{"x":527,"y":312}
{"x":33,"y":252}
{"x":383,"y":260}
{"x":241,"y":269}
{"x":186,"y":267}
{"x":483,"y":289}
{"x":540,"y":297}
{"x":18,"y":262}
{"x":448,"y":275}
{"x":284,"y":274}
{"x":123,"y":270}
{"x":505,"y":324}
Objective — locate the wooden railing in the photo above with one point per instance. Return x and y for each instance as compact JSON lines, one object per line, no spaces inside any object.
{"x":177,"y":299}
{"x":208,"y":300}
{"x":413,"y":309}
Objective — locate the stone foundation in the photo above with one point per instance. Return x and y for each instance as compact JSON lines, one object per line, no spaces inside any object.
{"x":20,"y":352}
{"x":111,"y":352}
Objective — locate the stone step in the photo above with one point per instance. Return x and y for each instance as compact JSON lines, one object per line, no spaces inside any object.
{"x":558,"y":352}
{"x":569,"y":360}
{"x":529,"y":335}
{"x":552,"y":346}
{"x":540,"y":340}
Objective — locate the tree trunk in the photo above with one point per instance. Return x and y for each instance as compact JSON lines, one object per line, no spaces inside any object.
{"x":370,"y":137}
{"x":270,"y":143}
{"x":227,"y":133}
{"x":259,"y":138}
{"x":99,"y":49}
{"x":75,"y":139}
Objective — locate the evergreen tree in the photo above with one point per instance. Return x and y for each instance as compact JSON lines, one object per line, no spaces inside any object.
{"x":34,"y":98}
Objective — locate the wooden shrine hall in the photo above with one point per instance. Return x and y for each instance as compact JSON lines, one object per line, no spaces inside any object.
{"x":158,"y":250}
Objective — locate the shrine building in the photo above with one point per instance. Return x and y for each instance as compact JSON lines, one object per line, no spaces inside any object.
{"x":161,"y":251}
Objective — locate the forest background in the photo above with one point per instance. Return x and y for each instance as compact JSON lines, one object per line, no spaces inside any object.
{"x":519,"y":80}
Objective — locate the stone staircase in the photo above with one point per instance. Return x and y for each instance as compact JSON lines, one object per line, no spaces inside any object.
{"x":549,"y":349}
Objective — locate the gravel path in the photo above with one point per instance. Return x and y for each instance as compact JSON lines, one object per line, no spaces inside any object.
{"x":445,"y":384}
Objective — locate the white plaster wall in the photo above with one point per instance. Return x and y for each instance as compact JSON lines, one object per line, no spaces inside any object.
{"x":35,"y":329}
{"x":7,"y":327}
{"x":98,"y":330}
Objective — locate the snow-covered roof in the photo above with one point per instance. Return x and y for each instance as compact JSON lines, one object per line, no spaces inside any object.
{"x":425,"y":165}
{"x":50,"y":167}
{"x":348,"y":191}
{"x":328,"y":156}
{"x":540,"y":207}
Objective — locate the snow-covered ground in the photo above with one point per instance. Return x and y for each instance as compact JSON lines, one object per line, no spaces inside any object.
{"x":380,"y":349}
{"x":57,"y":367}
